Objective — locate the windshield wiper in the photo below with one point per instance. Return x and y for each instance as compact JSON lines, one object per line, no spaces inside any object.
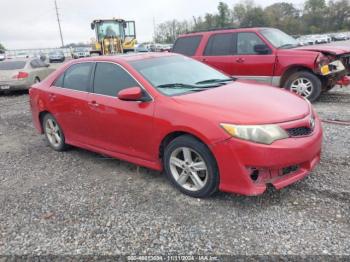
{"x":176,"y":85}
{"x":214,"y":80}
{"x":189,"y":86}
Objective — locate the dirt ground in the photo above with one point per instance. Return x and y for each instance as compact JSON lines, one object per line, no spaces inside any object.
{"x":79,"y":202}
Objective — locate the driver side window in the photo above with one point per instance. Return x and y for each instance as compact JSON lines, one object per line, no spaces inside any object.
{"x":246,"y":42}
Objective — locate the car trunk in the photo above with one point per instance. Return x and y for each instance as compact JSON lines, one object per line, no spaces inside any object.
{"x":10,"y":69}
{"x":8,"y":75}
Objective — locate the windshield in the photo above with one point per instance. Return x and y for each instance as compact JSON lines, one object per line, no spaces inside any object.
{"x":12,"y":65}
{"x":109,"y":29}
{"x":56,"y":53}
{"x":176,"y":75}
{"x":279,"y":39}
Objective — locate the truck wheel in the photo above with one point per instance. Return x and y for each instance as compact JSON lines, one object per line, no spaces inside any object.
{"x":304,"y":84}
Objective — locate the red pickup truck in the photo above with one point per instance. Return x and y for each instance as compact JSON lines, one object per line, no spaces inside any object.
{"x":269,"y":55}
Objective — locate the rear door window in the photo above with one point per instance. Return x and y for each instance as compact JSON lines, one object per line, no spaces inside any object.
{"x":111,"y":78}
{"x":220,"y":45}
{"x":187,"y":45}
{"x":35,"y":63}
{"x":42,"y":63}
{"x":77,"y":77}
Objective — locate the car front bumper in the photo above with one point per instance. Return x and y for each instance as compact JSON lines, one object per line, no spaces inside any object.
{"x":280,"y":164}
{"x":81,"y":55}
{"x":56,"y":58}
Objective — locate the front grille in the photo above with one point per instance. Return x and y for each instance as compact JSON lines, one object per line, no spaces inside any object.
{"x":299,"y":131}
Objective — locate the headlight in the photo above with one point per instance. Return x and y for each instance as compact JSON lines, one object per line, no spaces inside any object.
{"x":264,"y":134}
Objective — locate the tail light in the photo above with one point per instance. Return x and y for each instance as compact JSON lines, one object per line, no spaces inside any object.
{"x":21,"y":75}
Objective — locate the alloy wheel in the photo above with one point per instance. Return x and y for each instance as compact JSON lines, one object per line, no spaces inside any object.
{"x":188,"y":169}
{"x":302,"y":86}
{"x":53,"y":132}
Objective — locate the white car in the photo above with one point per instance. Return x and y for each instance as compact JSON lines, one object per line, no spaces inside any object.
{"x":321,"y":39}
{"x":306,"y":40}
{"x":2,"y":55}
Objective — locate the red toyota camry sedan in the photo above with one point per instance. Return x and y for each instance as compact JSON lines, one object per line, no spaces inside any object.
{"x":205,"y":130}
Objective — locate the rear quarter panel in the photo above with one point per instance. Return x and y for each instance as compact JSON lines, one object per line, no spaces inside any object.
{"x":38,"y":94}
{"x":36,"y":106}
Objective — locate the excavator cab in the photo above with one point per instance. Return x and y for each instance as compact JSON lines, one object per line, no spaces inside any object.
{"x":113,"y":36}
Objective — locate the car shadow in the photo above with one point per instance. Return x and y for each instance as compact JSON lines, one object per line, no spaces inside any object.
{"x":14,"y":93}
{"x":158,"y":180}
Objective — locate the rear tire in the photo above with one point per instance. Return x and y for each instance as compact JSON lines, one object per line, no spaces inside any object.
{"x":304,"y":84}
{"x":53,"y":133}
{"x":191,"y":167}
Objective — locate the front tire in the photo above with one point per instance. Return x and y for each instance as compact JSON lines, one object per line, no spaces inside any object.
{"x":191,"y":167}
{"x":304,"y":84}
{"x":53,"y":133}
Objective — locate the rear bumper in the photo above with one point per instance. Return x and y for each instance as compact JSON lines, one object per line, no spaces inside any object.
{"x":280,"y":164}
{"x":14,"y":85}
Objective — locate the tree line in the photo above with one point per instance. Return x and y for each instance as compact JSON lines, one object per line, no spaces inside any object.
{"x":315,"y":16}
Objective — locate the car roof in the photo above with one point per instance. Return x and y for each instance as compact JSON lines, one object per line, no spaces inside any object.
{"x":127,"y":57}
{"x":225,"y":30}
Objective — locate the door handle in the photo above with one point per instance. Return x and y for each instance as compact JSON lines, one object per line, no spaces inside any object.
{"x":93,"y":104}
{"x":204,"y":60}
{"x":240,"y":60}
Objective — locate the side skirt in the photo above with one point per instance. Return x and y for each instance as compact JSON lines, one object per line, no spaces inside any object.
{"x":137,"y":161}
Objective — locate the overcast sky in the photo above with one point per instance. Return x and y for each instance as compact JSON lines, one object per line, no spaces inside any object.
{"x":33,"y":24}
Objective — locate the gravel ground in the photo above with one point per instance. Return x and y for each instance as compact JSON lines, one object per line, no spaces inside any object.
{"x":78,"y":202}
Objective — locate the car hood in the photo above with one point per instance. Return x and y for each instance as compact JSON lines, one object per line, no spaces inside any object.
{"x":245,"y":103}
{"x":327,"y":49}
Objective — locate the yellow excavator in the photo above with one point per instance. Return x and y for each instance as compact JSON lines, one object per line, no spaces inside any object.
{"x":113,"y":36}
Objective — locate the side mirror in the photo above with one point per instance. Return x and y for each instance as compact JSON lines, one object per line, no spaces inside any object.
{"x":131,"y":94}
{"x":261,"y":49}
